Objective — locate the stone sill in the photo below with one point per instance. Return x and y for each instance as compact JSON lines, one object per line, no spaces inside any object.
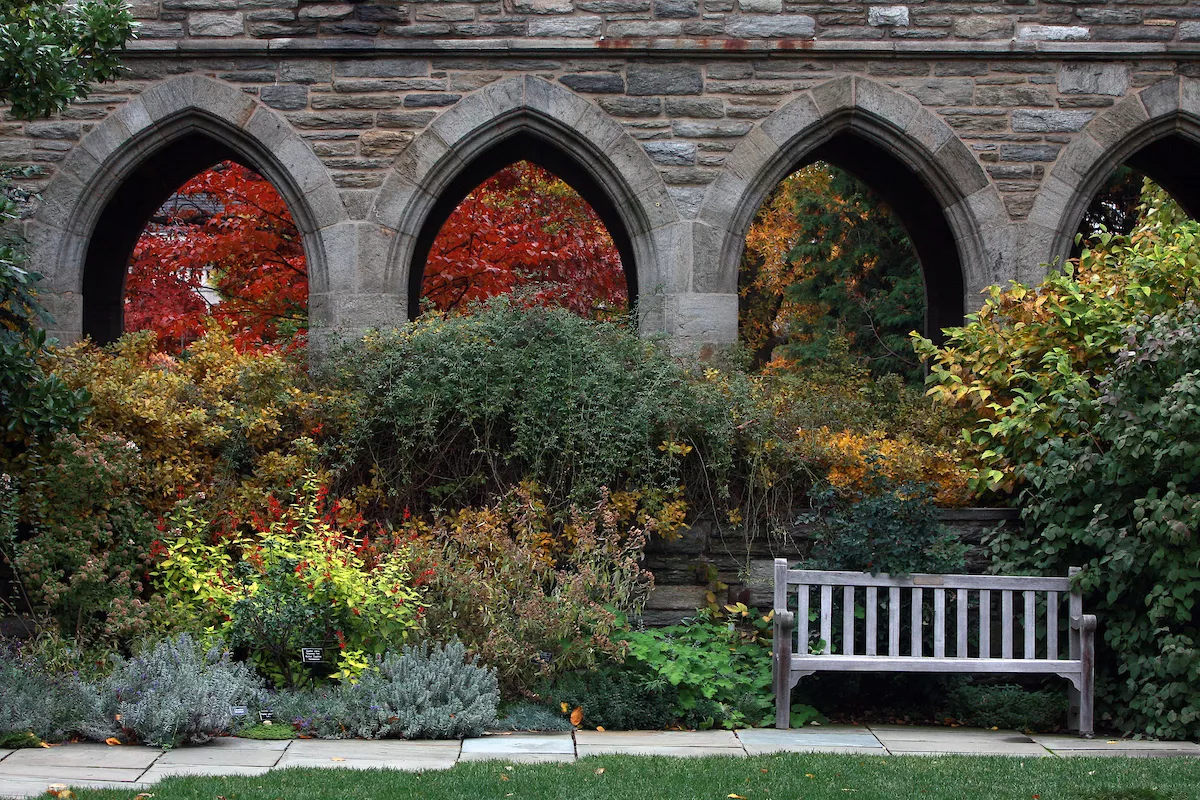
{"x":665,"y":47}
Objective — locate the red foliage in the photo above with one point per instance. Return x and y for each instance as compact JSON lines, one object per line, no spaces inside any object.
{"x":525,"y":231}
{"x":224,"y":247}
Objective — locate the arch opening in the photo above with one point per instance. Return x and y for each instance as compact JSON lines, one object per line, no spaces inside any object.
{"x":194,"y":230}
{"x":523,"y":147}
{"x":908,"y":221}
{"x":1172,"y":162}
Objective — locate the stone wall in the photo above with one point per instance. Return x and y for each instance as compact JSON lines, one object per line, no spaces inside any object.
{"x":687,"y":569}
{"x":685,"y":113}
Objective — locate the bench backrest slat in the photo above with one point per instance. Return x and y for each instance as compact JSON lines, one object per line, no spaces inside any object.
{"x":939,"y":623}
{"x":827,"y":618}
{"x":985,"y":623}
{"x":848,"y":620}
{"x":1052,"y":625}
{"x":1006,"y":621}
{"x":1030,"y":625}
{"x":801,"y":621}
{"x":894,"y":621}
{"x":872,"y":620}
{"x":960,"y":604}
{"x":918,"y":603}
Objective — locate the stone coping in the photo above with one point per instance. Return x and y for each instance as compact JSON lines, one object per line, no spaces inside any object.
{"x":669,"y":47}
{"x":27,"y":773}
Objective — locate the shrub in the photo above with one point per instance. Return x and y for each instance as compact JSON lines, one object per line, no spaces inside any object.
{"x":451,"y":411}
{"x":891,"y":528}
{"x":1008,"y":706}
{"x":237,"y":426}
{"x":534,"y":599}
{"x":527,"y":716}
{"x":721,"y":671}
{"x":297,"y":578}
{"x":76,"y":539}
{"x":1123,"y":501}
{"x":1023,"y":360}
{"x":37,"y":704}
{"x":429,"y":692}
{"x":618,"y":698}
{"x":178,"y":692}
{"x":425,"y":692}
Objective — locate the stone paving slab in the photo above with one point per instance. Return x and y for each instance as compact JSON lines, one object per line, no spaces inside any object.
{"x":55,"y":773}
{"x":808,"y":740}
{"x":85,"y":755}
{"x":1031,"y":750}
{"x":658,"y":738}
{"x":36,"y":787}
{"x":546,"y":743}
{"x":521,"y":758}
{"x":1058,"y":742}
{"x":657,"y":750}
{"x":414,"y":764}
{"x":229,"y":756}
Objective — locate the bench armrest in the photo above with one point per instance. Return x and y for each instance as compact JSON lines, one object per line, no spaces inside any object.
{"x":785,"y":622}
{"x":1084,"y":623}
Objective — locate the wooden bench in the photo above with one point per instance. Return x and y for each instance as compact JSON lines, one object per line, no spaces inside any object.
{"x":846,"y":646}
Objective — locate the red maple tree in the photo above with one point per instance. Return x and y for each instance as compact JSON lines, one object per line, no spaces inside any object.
{"x":525,"y":231}
{"x":224,"y":247}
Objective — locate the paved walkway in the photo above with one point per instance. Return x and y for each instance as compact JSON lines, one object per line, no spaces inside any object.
{"x":27,"y":773}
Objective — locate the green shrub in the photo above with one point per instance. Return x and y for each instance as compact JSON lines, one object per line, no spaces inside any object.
{"x":721,"y":672}
{"x":178,"y":692}
{"x":527,"y":716}
{"x":1020,"y":364}
{"x":1008,"y":706}
{"x":36,"y":705}
{"x":423,"y":692}
{"x":270,"y":733}
{"x":77,"y":540}
{"x":892,"y":528}
{"x":619,"y":698}
{"x":1124,"y":502}
{"x":450,"y":411}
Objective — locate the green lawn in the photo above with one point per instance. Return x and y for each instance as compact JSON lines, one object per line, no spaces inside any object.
{"x":779,"y":777}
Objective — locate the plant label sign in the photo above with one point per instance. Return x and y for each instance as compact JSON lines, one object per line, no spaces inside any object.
{"x":266,"y":715}
{"x":310,"y":655}
{"x":239,"y":711}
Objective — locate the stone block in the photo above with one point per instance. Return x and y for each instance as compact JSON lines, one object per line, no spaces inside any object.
{"x":1105,"y":79}
{"x":54,"y":130}
{"x":688,"y":199}
{"x":307,"y":71}
{"x":405,"y":119}
{"x":216,"y":24}
{"x":942,"y":91}
{"x":761,"y":6}
{"x":676,"y":9}
{"x":644,"y":29}
{"x":891,"y":16}
{"x":1162,"y":98}
{"x":771,"y":26}
{"x":581,"y":27}
{"x":652,"y":79}
{"x":703,"y":108}
{"x":1189,"y":31}
{"x":1029,"y":152}
{"x":1012,"y":96}
{"x":288,"y":97}
{"x":671,"y":152}
{"x":714,"y":130}
{"x":543,"y":6}
{"x":1053,"y":33}
{"x":383,"y":68}
{"x":160,"y":30}
{"x":430,"y":100}
{"x":384,"y":142}
{"x":1049,"y":120}
{"x":332,"y":120}
{"x":983,"y":27}
{"x":596,"y":83}
{"x":326,"y":11}
{"x":1113,"y":126}
{"x":632,"y":106}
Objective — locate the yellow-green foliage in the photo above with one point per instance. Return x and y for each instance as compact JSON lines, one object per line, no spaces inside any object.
{"x":295,"y":577}
{"x":1031,"y":352}
{"x":240,"y":424}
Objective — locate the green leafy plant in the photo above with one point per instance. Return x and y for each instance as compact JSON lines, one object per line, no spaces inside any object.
{"x":269,"y":732}
{"x":721,"y":672}
{"x":1022,"y":361}
{"x":616,"y":697}
{"x":1122,"y":501}
{"x":297,"y":573}
{"x":890,"y":528}
{"x":1008,"y":706}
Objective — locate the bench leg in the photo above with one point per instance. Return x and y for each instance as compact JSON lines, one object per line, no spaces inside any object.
{"x":781,"y":667}
{"x":1087,"y":681}
{"x":783,"y":700}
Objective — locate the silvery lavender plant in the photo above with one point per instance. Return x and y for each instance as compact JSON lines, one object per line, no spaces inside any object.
{"x":178,"y":692}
